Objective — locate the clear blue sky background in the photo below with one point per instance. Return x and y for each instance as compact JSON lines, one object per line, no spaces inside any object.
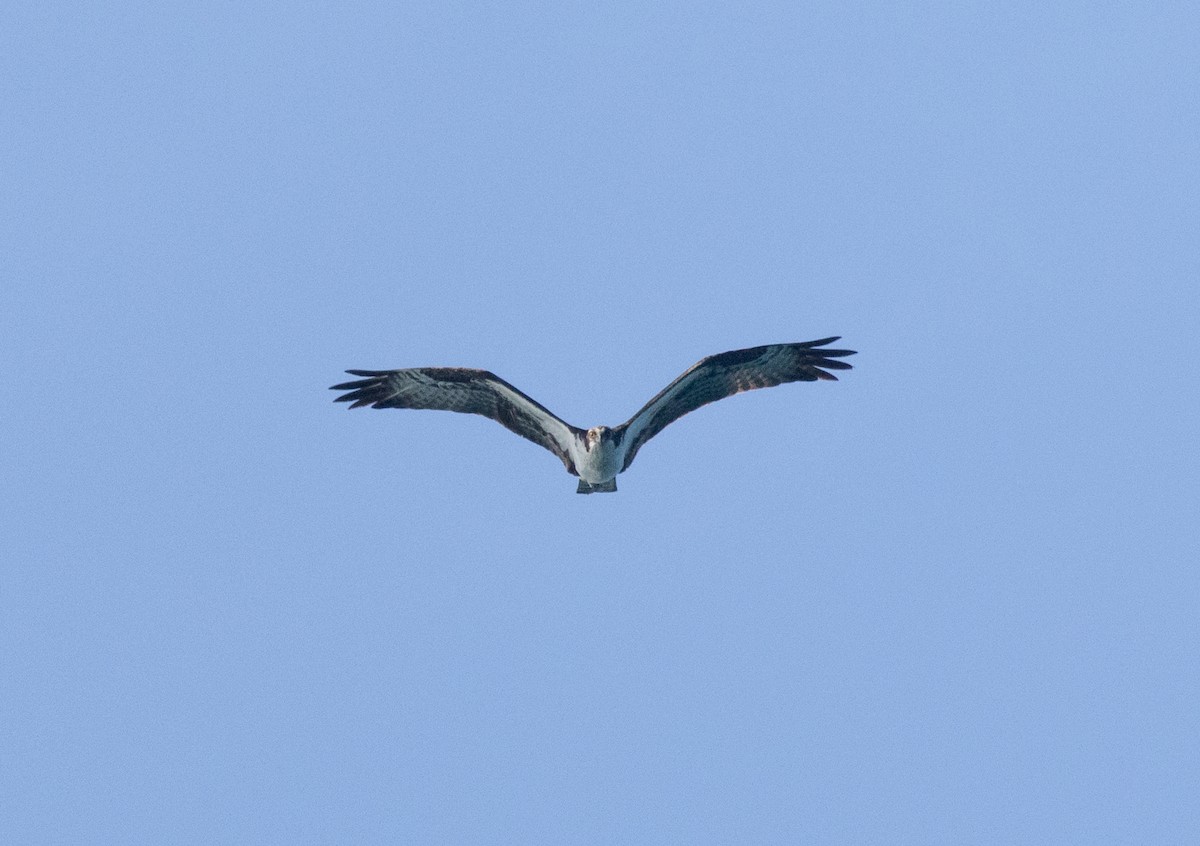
{"x":952,"y":598}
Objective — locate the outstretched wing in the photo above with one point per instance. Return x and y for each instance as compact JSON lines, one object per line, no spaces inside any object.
{"x":463,"y":390}
{"x":726,"y":374}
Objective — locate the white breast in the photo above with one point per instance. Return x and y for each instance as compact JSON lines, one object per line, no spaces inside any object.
{"x":601,"y":463}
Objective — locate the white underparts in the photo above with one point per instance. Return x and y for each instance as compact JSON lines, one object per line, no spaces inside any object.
{"x":600,"y":463}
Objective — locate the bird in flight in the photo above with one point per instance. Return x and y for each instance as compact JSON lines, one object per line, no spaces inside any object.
{"x":598,"y":454}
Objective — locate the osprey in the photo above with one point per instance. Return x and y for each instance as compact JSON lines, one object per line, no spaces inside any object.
{"x":598,"y":454}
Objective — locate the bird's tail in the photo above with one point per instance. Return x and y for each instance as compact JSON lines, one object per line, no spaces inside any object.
{"x":603,"y":487}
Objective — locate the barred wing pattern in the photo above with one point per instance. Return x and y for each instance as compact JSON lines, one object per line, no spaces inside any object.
{"x":722,"y":375}
{"x":467,"y":391}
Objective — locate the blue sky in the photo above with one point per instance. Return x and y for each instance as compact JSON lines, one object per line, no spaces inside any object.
{"x":952,"y":598}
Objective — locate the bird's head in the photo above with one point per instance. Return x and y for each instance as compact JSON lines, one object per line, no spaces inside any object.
{"x":595,"y":435}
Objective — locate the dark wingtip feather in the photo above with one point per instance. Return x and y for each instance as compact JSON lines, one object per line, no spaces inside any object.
{"x":352,"y":386}
{"x":824,"y":353}
{"x":361,"y":392}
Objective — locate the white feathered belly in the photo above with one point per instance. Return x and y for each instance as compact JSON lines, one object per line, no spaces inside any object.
{"x":601,"y":463}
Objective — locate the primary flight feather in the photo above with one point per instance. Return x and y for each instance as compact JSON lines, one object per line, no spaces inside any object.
{"x":598,"y":454}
